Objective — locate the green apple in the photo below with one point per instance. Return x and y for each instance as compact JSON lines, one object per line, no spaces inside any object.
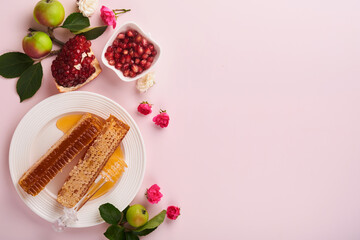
{"x":49,"y":13}
{"x":37,"y":44}
{"x":137,"y":215}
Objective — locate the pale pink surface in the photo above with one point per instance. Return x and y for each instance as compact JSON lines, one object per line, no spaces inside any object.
{"x":264,"y":139}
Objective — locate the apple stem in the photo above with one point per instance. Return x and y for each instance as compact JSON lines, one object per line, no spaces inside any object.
{"x":53,"y":38}
{"x":32,"y":30}
{"x":58,"y":42}
{"x":52,"y":53}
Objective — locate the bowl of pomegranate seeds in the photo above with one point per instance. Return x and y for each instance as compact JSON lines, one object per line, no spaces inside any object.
{"x":130,"y":53}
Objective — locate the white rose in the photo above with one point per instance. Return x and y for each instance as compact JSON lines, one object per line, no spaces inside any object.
{"x":146,"y":82}
{"x":87,"y":7}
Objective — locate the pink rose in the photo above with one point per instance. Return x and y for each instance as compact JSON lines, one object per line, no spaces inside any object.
{"x":108,"y":16}
{"x":153,"y":194}
{"x":162,"y":119}
{"x":144,"y":108}
{"x":172,"y":212}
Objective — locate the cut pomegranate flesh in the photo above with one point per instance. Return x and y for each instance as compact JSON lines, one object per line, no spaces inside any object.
{"x":131,"y":53}
{"x":73,"y":64}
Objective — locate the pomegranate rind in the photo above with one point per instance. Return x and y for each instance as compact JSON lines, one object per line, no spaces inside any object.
{"x":95,"y":63}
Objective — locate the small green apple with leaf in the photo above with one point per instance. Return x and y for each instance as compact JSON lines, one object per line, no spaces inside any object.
{"x":37,"y":44}
{"x":49,"y":13}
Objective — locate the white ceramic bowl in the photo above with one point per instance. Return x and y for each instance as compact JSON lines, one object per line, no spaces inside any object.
{"x":125,"y":27}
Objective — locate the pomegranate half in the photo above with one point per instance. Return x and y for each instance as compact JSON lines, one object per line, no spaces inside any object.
{"x":75,"y":65}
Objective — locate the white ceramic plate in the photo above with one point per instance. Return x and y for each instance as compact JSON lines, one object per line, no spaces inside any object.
{"x":37,"y":131}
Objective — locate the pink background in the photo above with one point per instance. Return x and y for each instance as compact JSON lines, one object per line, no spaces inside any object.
{"x":264,"y":138}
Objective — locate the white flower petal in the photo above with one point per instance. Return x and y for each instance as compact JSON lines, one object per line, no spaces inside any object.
{"x":87,"y":7}
{"x":146,"y":82}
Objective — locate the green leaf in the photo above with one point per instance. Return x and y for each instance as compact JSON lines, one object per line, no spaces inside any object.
{"x":153,"y":223}
{"x":92,"y":33}
{"x":145,"y":232}
{"x":124,"y":212}
{"x":131,"y":236}
{"x":13,"y":64}
{"x":76,"y":22}
{"x":110,"y":213}
{"x":29,"y":81}
{"x":115,"y":232}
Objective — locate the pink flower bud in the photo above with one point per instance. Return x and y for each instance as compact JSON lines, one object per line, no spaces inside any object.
{"x":172,"y":212}
{"x":162,"y":119}
{"x":144,"y":108}
{"x":153,"y":194}
{"x":108,"y":16}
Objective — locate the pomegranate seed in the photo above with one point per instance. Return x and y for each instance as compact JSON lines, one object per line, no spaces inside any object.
{"x":119,"y":49}
{"x":131,"y":53}
{"x":151,"y":46}
{"x":116,"y":42}
{"x":137,"y":60}
{"x":144,"y":42}
{"x":130,"y":33}
{"x":127,"y":58}
{"x":126,"y":72}
{"x":143,"y":62}
{"x":88,"y":60}
{"x":132,"y":74}
{"x":138,"y":38}
{"x":140,"y":70}
{"x":147,"y":65}
{"x":154,"y":52}
{"x":125,"y":52}
{"x":126,"y":66}
{"x":110,"y":54}
{"x":109,"y":49}
{"x":135,"y":68}
{"x":118,"y":66}
{"x":112,"y":62}
{"x":117,"y":55}
{"x":121,"y":36}
{"x":150,"y":59}
{"x":140,"y":50}
{"x":122,"y":59}
{"x":148,"y":51}
{"x":145,"y":56}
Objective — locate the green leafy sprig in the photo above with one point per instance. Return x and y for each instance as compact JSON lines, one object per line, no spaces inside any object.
{"x":120,"y":229}
{"x":29,"y":71}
